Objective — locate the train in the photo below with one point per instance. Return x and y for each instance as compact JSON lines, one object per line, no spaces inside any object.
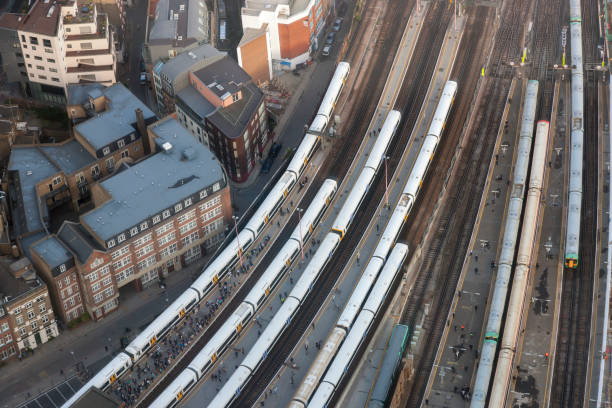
{"x":296,"y":298}
{"x":526,"y":252}
{"x":228,"y":258}
{"x":574,"y":208}
{"x":389,"y":367}
{"x":508,"y":244}
{"x":383,"y":248}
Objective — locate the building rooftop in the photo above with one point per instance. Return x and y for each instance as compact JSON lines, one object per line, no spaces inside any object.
{"x":78,"y":240}
{"x":117,"y":121}
{"x":30,"y":239}
{"x":223,"y":77}
{"x":185,"y":60}
{"x":184,"y":26}
{"x":52,"y":251}
{"x":156,"y":183}
{"x":35,"y":163}
{"x":254,"y":7}
{"x":11,"y":20}
{"x":196,"y":102}
{"x":43,"y":17}
{"x":11,"y":287}
{"x":79,"y":94}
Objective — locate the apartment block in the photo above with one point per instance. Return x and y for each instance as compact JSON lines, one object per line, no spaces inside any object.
{"x":64,"y":42}
{"x":172,"y":75}
{"x":223,"y":109}
{"x":57,"y":267}
{"x":285,"y":32}
{"x":26,"y":301}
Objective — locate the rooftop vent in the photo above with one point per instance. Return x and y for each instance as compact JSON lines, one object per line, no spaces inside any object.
{"x":188,"y":154}
{"x":167,"y":146}
{"x":28,"y":172}
{"x":220,"y":87}
{"x":192,"y":55}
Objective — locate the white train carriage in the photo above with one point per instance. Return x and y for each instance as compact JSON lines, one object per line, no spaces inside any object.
{"x":273,"y":274}
{"x":217,"y":345}
{"x":162,"y":324}
{"x":315,"y":210}
{"x":443,"y":109}
{"x":256,"y":355}
{"x":105,"y":377}
{"x":353,"y":305}
{"x":222,"y":263}
{"x":272,"y":203}
{"x":303,"y":154}
{"x":421,"y":164}
{"x":389,"y":236}
{"x":315,"y":266}
{"x":176,"y":391}
{"x":342,"y":360}
{"x":353,"y":201}
{"x":536,"y":179}
{"x":381,"y":288}
{"x":317,"y":368}
{"x":331,"y":97}
{"x":384,"y":138}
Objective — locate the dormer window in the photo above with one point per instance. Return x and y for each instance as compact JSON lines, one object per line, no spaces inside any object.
{"x":235,"y":97}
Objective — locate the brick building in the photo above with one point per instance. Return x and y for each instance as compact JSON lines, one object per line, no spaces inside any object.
{"x":285,"y":32}
{"x":57,"y":267}
{"x":25,"y":300}
{"x":225,"y":110}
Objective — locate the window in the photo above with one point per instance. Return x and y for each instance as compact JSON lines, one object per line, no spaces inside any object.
{"x":108,"y":292}
{"x":144,"y":226}
{"x":49,"y":51}
{"x":30,"y":314}
{"x":68,"y":292}
{"x":110,"y":163}
{"x":28,"y":305}
{"x":40,"y":299}
{"x":17,"y":310}
{"x":169,"y":250}
{"x":178,"y":207}
{"x":120,"y":144}
{"x":49,"y":331}
{"x":133,"y":231}
{"x":216,"y":187}
{"x":40,"y":68}
{"x":5,"y":326}
{"x":190,"y":238}
{"x":106,"y":151}
{"x":42,"y":308}
{"x":19,"y":320}
{"x":166,"y":238}
{"x":125,"y":154}
{"x":34,"y":40}
{"x":28,"y":56}
{"x":110,"y":305}
{"x":164,"y":228}
{"x":52,"y":70}
{"x":166,"y":214}
{"x":62,"y":269}
{"x":210,"y":203}
{"x":47,"y":43}
{"x":144,"y":250}
{"x":68,"y":45}
{"x":156,"y":219}
{"x":107,"y":281}
{"x":80,"y":178}
{"x":42,"y":77}
{"x":59,"y":284}
{"x":186,"y":216}
{"x":67,"y":279}
{"x":34,"y":325}
{"x":45,"y":319}
{"x":187,"y":202}
{"x":93,"y":276}
{"x":37,"y":58}
{"x":188,"y":227}
{"x":211,"y":214}
{"x":54,"y":79}
{"x":95,"y":287}
{"x":86,"y":46}
{"x":51,"y":60}
{"x":98,"y":298}
{"x":95,"y":170}
{"x":57,"y":180}
{"x":143,"y":240}
{"x":146,"y":262}
{"x":121,"y":238}
{"x":122,"y":262}
{"x":104,"y":271}
{"x":71,"y":302}
{"x":8,"y":338}
{"x":203,"y":194}
{"x":23,"y":331}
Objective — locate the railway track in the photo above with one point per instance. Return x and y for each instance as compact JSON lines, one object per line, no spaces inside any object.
{"x":338,"y":169}
{"x":425,"y":59}
{"x":569,"y":378}
{"x":453,"y":229}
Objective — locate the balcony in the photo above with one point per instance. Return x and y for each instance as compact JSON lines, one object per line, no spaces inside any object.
{"x":88,"y":68}
{"x":86,"y":53}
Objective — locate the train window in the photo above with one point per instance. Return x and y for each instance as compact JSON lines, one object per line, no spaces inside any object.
{"x":261,"y":299}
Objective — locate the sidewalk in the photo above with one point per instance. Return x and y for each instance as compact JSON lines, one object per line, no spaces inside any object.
{"x":56,"y":361}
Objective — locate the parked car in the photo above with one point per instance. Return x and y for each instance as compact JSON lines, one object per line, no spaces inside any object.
{"x":267,"y":164}
{"x":338,"y":24}
{"x":143,"y":78}
{"x":326,"y":50}
{"x":329,"y":40}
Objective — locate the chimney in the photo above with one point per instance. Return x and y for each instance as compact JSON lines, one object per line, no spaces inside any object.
{"x":142,"y":128}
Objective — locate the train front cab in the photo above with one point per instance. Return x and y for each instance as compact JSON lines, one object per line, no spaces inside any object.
{"x":571,"y":261}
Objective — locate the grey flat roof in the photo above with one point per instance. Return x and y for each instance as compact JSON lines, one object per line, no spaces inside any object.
{"x":187,"y":25}
{"x":117,"y":121}
{"x":52,"y":251}
{"x":36,"y":163}
{"x":185,"y":60}
{"x":233,"y":119}
{"x":78,"y":240}
{"x":29,"y":240}
{"x":78,"y":94}
{"x":14,"y":287}
{"x":196,"y":102}
{"x":155,"y":183}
